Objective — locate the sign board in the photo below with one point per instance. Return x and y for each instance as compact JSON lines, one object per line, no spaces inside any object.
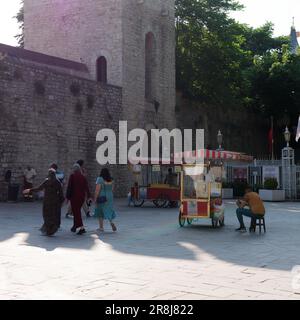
{"x":195,"y":170}
{"x":240,"y":173}
{"x":156,"y":168}
{"x":255,"y":171}
{"x":177,"y":169}
{"x":271,"y":172}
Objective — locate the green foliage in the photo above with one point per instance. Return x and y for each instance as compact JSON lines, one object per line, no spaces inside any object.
{"x":20,"y":20}
{"x":259,"y":41}
{"x":220,"y":60}
{"x":271,"y":184}
{"x":208,"y":58}
{"x":274,"y":85}
{"x":227,"y":63}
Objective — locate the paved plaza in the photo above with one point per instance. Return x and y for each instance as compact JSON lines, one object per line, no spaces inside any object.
{"x":149,"y":258}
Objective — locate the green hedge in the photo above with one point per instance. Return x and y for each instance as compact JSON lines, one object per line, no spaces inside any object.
{"x":271,"y":184}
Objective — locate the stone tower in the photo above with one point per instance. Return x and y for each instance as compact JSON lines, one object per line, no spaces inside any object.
{"x":127,"y":43}
{"x":294,"y":40}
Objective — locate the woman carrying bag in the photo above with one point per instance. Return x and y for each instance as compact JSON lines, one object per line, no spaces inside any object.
{"x":104,"y":200}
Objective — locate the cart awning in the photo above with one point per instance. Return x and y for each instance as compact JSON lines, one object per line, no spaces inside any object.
{"x":195,"y":156}
{"x":205,"y":154}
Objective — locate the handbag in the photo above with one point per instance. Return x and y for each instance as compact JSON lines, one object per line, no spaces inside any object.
{"x":102,"y":199}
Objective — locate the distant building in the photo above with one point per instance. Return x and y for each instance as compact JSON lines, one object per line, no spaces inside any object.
{"x":294,"y":40}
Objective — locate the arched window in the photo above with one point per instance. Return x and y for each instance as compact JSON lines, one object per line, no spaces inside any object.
{"x":150,"y":66}
{"x":102,"y":70}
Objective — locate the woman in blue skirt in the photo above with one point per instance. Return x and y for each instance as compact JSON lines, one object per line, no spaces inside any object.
{"x":104,"y":200}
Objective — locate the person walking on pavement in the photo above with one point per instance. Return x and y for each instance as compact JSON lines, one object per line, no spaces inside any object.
{"x":52,"y":203}
{"x":87,"y":204}
{"x":60,"y":176}
{"x":104,"y":200}
{"x":77,"y":192}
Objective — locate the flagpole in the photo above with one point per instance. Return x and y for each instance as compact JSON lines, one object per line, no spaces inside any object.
{"x":272,"y":125}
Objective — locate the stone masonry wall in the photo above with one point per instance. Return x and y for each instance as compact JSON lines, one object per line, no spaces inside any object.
{"x":242,"y":130}
{"x":82,"y":31}
{"x":140,"y":18}
{"x":77,"y":30}
{"x":47,"y":116}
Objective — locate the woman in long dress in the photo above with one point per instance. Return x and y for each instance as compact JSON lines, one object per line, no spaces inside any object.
{"x":53,"y":200}
{"x":105,"y":209}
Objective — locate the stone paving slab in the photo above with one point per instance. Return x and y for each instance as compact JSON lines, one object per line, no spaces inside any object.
{"x":149,"y":258}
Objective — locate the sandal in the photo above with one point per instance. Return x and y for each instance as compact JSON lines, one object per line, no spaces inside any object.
{"x":114,"y":228}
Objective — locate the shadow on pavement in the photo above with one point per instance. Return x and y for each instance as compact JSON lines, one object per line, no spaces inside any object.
{"x":156,"y":233}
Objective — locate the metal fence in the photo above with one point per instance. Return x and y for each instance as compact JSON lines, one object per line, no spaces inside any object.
{"x":298,"y":181}
{"x":254,"y":173}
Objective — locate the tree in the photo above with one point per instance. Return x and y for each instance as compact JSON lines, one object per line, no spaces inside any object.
{"x":260,"y":40}
{"x":208,"y":58}
{"x":275,"y":85}
{"x":20,"y":20}
{"x":214,"y":52}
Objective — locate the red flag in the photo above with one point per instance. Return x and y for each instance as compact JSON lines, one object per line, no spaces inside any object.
{"x":271,"y":140}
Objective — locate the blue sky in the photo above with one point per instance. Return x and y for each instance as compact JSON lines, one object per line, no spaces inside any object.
{"x":256,"y":13}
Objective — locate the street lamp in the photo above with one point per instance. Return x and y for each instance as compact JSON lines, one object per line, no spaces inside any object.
{"x":287,"y":136}
{"x":220,"y":140}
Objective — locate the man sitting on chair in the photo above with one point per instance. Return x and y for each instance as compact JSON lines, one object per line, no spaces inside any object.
{"x":256,"y":208}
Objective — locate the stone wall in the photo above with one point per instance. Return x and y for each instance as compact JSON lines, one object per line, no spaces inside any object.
{"x":243,"y":131}
{"x":82,"y":31}
{"x":77,"y":30}
{"x":140,"y":18}
{"x":47,"y":116}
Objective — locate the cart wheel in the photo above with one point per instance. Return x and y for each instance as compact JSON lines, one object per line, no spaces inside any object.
{"x":172,"y":204}
{"x":181,"y":220}
{"x":189,"y":221}
{"x":222,"y":222}
{"x":167,"y":205}
{"x":161,"y":201}
{"x":138,"y":203}
{"x":214,"y":223}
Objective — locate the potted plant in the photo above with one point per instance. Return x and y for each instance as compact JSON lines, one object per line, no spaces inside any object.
{"x":227,"y":190}
{"x":270,"y":192}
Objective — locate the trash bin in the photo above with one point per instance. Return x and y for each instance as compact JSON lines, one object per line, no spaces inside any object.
{"x":13,"y":192}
